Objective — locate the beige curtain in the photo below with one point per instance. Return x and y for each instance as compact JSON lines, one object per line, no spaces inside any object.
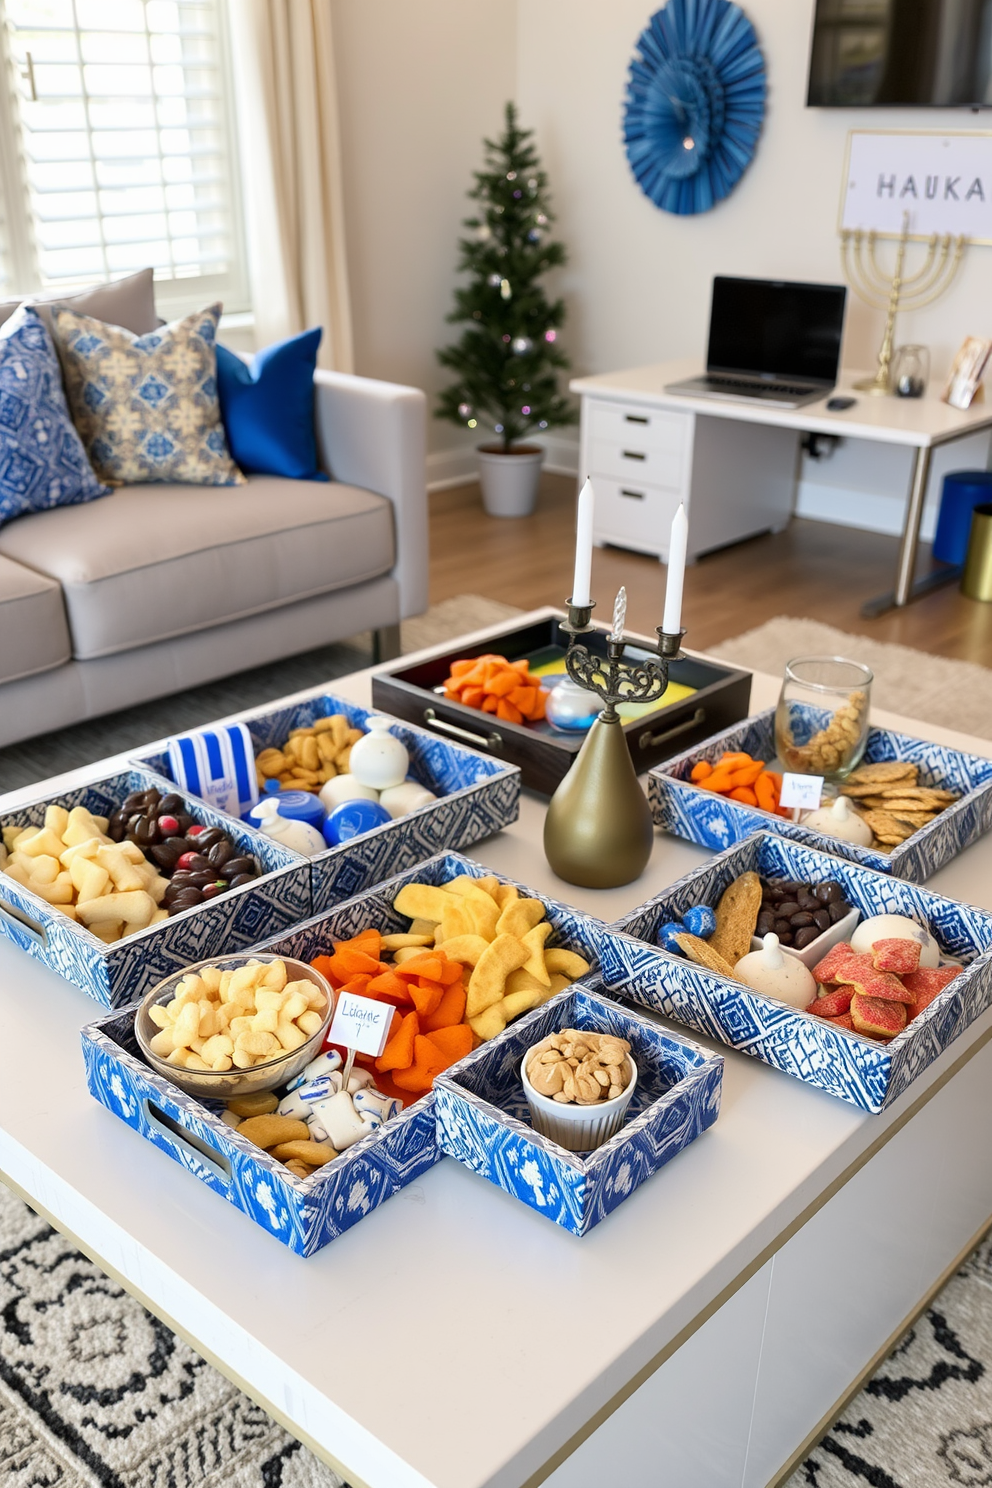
{"x":291,"y":168}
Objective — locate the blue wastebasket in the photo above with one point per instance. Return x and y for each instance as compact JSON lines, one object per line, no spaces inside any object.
{"x":963,"y":490}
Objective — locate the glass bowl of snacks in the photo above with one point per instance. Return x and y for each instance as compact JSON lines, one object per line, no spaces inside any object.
{"x":821,"y":722}
{"x":578,"y":1087}
{"x":234,"y":1025}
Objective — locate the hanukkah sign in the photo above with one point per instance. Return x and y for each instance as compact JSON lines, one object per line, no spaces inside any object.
{"x":942,"y":181}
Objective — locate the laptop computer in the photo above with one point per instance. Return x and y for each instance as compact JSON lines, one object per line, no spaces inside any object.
{"x":771,"y":341}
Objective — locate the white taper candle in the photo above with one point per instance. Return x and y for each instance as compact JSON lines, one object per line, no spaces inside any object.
{"x":678,"y":541}
{"x":582,"y":582}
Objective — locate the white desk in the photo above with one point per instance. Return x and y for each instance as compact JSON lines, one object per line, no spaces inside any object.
{"x":723,"y":1341}
{"x":734,"y":463}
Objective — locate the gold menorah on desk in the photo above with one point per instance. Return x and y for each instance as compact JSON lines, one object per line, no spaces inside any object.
{"x":894,"y":293}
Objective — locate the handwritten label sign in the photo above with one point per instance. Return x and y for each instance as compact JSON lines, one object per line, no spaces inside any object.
{"x":944,"y":182}
{"x":804,"y":791}
{"x":360,"y":1024}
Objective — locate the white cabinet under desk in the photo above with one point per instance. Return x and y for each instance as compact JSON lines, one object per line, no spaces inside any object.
{"x":736,"y":480}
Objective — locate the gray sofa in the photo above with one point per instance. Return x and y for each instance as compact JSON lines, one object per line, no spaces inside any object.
{"x":157,"y":588}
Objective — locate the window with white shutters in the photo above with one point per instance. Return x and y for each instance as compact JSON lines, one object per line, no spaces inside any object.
{"x":116,"y":149}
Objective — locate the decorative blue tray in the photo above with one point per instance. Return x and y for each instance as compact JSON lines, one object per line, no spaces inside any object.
{"x":304,"y":1214}
{"x":477,"y":796}
{"x":120,"y":973}
{"x":686,"y":810}
{"x":483,"y":1120}
{"x":868,"y":1074}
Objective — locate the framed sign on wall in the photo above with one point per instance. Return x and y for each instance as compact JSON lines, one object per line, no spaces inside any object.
{"x":942,"y":181}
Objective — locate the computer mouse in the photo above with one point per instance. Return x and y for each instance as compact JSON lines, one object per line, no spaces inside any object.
{"x":837,"y":405}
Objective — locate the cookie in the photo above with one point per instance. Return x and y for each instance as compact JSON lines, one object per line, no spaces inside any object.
{"x":702,"y":952}
{"x":736,"y":918}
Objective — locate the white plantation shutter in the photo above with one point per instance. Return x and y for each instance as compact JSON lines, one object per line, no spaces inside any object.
{"x":123,"y":151}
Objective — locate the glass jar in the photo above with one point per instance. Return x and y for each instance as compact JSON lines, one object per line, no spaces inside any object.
{"x":821,"y":722}
{"x":910,"y":371}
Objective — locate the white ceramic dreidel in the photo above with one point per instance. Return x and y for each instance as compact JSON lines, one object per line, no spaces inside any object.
{"x":770,"y":972}
{"x":296,"y":835}
{"x":342,"y":788}
{"x":379,"y":759}
{"x":400,"y":800}
{"x":838,"y":820}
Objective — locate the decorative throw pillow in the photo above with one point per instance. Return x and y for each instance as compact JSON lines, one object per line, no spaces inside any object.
{"x":267,"y":407}
{"x":42,"y":460}
{"x":146,"y":406}
{"x":128,"y":302}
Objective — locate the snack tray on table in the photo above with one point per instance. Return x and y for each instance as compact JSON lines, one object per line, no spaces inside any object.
{"x":482,"y":1117}
{"x":687,"y":810}
{"x":867,"y":1073}
{"x":720,"y":694}
{"x":120,"y":973}
{"x":477,"y":796}
{"x":303,"y":1213}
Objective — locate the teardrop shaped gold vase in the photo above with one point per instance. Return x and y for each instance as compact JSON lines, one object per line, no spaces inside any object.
{"x":598,"y":831}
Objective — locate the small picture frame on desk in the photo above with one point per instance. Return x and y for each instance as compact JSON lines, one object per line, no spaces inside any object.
{"x":967,"y":371}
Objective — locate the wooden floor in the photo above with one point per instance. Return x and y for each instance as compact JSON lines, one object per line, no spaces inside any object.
{"x":812,"y":570}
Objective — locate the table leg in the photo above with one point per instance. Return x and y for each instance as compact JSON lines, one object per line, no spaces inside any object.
{"x":906,"y":589}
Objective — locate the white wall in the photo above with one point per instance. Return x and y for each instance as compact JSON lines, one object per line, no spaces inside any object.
{"x":421,"y":83}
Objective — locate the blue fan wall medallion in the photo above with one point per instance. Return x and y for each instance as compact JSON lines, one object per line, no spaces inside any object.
{"x":695,"y":102}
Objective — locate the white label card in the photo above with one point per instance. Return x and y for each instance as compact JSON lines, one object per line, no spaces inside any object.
{"x":360,"y":1024}
{"x":804,"y":791}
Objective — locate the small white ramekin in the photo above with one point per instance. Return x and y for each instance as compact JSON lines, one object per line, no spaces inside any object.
{"x":575,"y":1127}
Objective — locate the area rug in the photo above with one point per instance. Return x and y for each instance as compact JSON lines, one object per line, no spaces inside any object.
{"x":37,"y":759}
{"x":97,"y":1393}
{"x":955,"y":694}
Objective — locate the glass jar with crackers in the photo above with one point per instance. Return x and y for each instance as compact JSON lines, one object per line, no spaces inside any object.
{"x":821,"y":722}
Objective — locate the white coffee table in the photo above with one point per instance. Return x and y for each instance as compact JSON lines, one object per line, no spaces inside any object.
{"x":700,"y":1337}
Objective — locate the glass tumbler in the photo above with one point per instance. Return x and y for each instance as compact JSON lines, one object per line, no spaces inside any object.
{"x":910,"y":371}
{"x":821,"y":722}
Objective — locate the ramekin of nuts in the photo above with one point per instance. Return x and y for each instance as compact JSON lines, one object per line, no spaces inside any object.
{"x":578,"y":1086}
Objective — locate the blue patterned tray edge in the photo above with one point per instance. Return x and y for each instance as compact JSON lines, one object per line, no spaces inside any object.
{"x":868,"y":1075}
{"x":685,"y":810}
{"x":482,"y":1115}
{"x":304,"y":1214}
{"x":477,"y":796}
{"x":119,"y":974}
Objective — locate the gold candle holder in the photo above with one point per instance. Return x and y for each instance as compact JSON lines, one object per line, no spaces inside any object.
{"x":598,"y":831}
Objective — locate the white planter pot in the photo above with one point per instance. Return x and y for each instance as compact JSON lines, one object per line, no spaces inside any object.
{"x":510,"y":479}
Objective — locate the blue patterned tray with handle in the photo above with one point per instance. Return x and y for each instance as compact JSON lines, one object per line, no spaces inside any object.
{"x":483,"y":1118}
{"x":686,"y":810}
{"x":302,"y":1213}
{"x":867,"y":1073}
{"x":477,"y":796}
{"x":121,"y":973}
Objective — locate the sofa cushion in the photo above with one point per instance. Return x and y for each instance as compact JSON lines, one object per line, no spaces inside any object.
{"x":128,"y":302}
{"x":150,"y":562}
{"x":34,"y":636}
{"x":147,"y":406}
{"x":267,"y":407}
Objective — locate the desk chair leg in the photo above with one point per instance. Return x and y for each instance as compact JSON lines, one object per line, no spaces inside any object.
{"x":906,"y":589}
{"x":386,"y":644}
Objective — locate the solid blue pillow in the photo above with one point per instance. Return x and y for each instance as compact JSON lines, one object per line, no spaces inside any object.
{"x":267,"y":407}
{"x":42,"y":459}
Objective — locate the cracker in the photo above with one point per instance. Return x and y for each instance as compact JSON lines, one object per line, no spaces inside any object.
{"x":736,"y":918}
{"x":887,"y":828}
{"x":702,"y":952}
{"x":883,"y":770}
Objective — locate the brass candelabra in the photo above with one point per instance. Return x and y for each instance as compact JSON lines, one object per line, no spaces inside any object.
{"x":598,"y":830}
{"x":894,"y":292}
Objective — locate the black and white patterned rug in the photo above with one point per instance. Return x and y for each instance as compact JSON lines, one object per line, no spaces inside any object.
{"x":97,"y":1393}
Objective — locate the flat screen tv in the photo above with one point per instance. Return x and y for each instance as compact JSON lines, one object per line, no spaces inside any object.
{"x":887,"y":53}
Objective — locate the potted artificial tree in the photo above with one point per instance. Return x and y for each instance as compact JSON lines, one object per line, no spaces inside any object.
{"x":507,"y":360}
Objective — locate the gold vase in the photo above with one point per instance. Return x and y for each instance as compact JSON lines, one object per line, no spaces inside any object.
{"x":598,"y":831}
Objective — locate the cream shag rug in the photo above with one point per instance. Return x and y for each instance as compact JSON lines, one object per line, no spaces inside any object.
{"x":956,"y":694}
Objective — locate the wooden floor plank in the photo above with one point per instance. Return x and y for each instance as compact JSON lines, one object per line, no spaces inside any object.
{"x":813,"y":570}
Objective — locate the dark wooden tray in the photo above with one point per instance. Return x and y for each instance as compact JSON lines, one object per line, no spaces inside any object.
{"x":721,"y":698}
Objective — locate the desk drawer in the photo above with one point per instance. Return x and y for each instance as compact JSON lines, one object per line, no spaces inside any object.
{"x":633,"y":462}
{"x":633,"y":514}
{"x":637,"y":427}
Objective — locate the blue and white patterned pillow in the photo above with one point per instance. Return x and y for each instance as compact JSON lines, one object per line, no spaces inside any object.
{"x":42,"y":459}
{"x":147,"y":406}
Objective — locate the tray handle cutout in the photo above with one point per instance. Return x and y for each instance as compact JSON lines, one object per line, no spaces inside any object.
{"x":648,"y":741}
{"x":492,"y":740}
{"x":167,"y":1126}
{"x":23,"y":926}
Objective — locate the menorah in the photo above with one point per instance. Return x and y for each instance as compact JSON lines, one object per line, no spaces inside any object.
{"x":894,"y":293}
